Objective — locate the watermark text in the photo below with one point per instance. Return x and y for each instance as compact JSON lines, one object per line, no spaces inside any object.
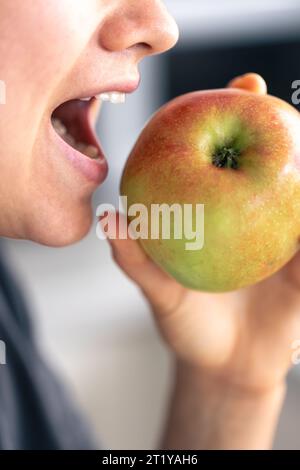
{"x":296,"y":93}
{"x":2,"y":353}
{"x":2,"y":92}
{"x":296,"y":352}
{"x":159,"y":221}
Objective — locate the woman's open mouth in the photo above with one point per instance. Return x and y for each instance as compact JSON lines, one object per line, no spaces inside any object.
{"x":73,"y":125}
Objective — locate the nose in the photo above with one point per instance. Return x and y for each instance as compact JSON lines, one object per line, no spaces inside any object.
{"x":145,"y":27}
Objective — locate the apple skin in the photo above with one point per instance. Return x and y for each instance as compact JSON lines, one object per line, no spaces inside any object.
{"x":252,"y":212}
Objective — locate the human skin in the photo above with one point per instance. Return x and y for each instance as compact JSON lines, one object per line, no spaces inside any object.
{"x":232,"y":351}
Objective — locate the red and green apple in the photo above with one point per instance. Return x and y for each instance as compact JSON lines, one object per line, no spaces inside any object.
{"x":238,"y":154}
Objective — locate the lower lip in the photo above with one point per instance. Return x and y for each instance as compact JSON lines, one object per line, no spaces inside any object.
{"x":93,"y":170}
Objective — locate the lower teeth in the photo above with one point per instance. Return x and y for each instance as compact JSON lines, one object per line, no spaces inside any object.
{"x":89,"y":150}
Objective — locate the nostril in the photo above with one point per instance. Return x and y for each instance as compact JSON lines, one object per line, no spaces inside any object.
{"x":142,"y":46}
{"x":145,"y":45}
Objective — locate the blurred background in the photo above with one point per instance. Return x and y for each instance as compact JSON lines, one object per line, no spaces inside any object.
{"x":92,"y":323}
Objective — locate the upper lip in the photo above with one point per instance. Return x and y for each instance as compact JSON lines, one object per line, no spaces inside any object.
{"x":127,"y":87}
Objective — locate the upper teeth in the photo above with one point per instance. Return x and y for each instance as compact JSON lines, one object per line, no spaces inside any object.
{"x":114,"y":97}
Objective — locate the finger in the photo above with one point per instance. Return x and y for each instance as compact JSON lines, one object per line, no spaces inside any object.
{"x":250,"y":82}
{"x":127,"y":251}
{"x":128,"y":254}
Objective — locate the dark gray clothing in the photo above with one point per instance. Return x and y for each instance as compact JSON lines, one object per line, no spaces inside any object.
{"x":35,"y":411}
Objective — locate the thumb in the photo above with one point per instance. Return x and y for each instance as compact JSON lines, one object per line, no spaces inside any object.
{"x":250,"y":82}
{"x":157,"y":285}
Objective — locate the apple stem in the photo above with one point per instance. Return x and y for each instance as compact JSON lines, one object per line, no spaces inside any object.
{"x":226,"y":158}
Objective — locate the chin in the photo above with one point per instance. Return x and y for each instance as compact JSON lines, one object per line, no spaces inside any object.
{"x":62,"y":229}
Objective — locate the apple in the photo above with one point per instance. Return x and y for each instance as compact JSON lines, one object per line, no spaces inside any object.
{"x":238,"y":154}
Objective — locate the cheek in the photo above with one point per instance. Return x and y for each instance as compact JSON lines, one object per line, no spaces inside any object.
{"x":44,"y":40}
{"x":42,"y":44}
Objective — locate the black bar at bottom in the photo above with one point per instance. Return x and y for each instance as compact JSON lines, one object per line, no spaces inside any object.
{"x":134,"y":459}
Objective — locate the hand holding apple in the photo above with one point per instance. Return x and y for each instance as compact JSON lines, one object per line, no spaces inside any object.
{"x":232,"y":350}
{"x":205,"y":329}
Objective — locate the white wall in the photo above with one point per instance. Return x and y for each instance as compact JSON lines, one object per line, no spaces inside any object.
{"x":227,"y":20}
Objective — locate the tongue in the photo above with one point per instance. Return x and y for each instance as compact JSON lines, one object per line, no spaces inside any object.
{"x":74,"y":115}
